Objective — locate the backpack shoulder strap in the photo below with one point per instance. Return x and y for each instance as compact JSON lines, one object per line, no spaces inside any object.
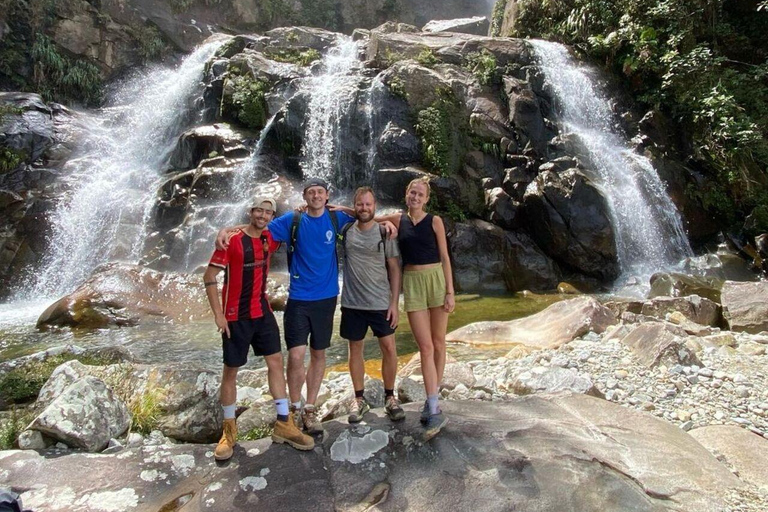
{"x":383,"y":240}
{"x":292,"y":239}
{"x":335,"y":222}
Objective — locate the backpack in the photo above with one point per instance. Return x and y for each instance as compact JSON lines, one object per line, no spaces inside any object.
{"x":343,"y":237}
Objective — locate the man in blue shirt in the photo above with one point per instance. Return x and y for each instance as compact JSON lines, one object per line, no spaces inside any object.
{"x":314,"y":288}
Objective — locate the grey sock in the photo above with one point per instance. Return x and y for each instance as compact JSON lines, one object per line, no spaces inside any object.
{"x":432,"y":401}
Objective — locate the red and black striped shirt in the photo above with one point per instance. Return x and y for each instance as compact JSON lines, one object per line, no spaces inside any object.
{"x":246,"y":262}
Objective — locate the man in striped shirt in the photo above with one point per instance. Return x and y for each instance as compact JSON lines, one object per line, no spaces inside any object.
{"x":245,"y":320}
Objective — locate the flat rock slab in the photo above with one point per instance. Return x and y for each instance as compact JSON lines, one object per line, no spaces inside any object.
{"x":556,"y":325}
{"x":654,"y":343}
{"x":744,"y":451}
{"x":536,"y":453}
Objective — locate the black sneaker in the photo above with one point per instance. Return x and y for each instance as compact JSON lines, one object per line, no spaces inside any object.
{"x":425,"y":413}
{"x":393,"y":409}
{"x":434,"y":424}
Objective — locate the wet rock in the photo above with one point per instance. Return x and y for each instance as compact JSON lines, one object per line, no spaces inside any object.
{"x":393,"y":27}
{"x":477,"y":25}
{"x":28,"y":126}
{"x":724,"y":266}
{"x":397,"y":146}
{"x":205,"y":142}
{"x":391,"y":183}
{"x":568,"y":219}
{"x":309,"y":37}
{"x":636,"y":459}
{"x":554,"y":380}
{"x":696,"y":309}
{"x":742,"y":450}
{"x":556,"y":325}
{"x":488,"y":115}
{"x":259,"y":67}
{"x":745,"y":306}
{"x":657,"y":343}
{"x":672,"y":284}
{"x":502,"y":209}
{"x":86,"y":415}
{"x":122,"y":294}
{"x":478,"y":260}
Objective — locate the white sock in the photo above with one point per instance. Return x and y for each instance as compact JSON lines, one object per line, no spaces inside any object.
{"x":296,"y":405}
{"x":229,"y":411}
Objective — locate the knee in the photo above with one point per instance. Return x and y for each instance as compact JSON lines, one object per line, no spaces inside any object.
{"x":295,"y":359}
{"x":438,"y":344}
{"x":229,"y":375}
{"x":355,"y":349}
{"x":274,"y":362}
{"x":317,"y":356}
{"x":426,"y":350}
{"x":388,"y":349}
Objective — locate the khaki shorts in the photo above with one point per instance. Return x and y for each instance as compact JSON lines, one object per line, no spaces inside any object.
{"x":424,"y":289}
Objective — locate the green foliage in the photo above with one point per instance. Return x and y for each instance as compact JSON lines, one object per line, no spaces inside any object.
{"x":391,"y":58}
{"x":145,"y":410}
{"x":256,"y":433}
{"x":702,"y":63}
{"x":295,"y":56}
{"x":439,"y":127}
{"x":248,"y":103}
{"x":10,"y":428}
{"x":397,"y":86}
{"x":449,"y":210}
{"x":21,"y":385}
{"x":483,"y":65}
{"x":150,"y":42}
{"x":497,"y":17}
{"x":10,"y":159}
{"x":427,"y":58}
{"x":59,"y":78}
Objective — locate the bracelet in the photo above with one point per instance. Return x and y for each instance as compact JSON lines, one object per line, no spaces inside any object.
{"x":210,"y":283}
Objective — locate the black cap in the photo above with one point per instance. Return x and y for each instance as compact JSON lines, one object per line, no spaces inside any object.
{"x":315,"y":182}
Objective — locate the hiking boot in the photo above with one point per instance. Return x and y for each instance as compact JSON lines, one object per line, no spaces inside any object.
{"x":393,"y":409}
{"x":286,"y":432}
{"x":424,"y":413}
{"x":358,"y":409}
{"x":311,"y":422}
{"x":295,"y":416}
{"x":226,"y":446}
{"x":433,"y":425}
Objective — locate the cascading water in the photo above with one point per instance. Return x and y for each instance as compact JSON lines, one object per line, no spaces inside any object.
{"x":647,"y":226}
{"x":114,"y":174}
{"x":333,"y":99}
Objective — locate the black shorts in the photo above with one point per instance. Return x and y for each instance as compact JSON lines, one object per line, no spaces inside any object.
{"x":355,"y":323}
{"x":260,"y":333}
{"x":311,"y":319}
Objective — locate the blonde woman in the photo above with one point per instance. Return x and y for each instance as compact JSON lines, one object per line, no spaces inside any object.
{"x":428,"y":291}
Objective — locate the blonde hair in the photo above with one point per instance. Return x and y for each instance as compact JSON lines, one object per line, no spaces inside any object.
{"x":424,"y":180}
{"x":364,"y":190}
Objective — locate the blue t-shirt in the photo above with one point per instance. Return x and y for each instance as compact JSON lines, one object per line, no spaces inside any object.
{"x":314,"y":257}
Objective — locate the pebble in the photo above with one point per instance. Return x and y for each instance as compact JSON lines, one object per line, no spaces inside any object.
{"x":621,"y":374}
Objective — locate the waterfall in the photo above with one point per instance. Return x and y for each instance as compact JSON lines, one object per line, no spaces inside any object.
{"x":332,"y":102}
{"x":113,"y":175}
{"x":647,"y":226}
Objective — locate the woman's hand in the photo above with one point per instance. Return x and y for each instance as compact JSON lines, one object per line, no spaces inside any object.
{"x":450,"y":303}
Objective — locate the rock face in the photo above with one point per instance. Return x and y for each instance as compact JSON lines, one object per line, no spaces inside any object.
{"x":535,"y":446}
{"x":681,"y":285}
{"x":569,"y":218}
{"x":554,"y":380}
{"x":478,"y":26}
{"x":455,"y":372}
{"x":745,"y":306}
{"x":86,"y":415}
{"x":558,"y":324}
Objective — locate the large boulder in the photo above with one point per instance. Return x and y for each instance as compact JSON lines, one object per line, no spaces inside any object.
{"x":696,"y":309}
{"x":556,"y":325}
{"x":455,"y":372}
{"x":525,"y":111}
{"x":568,"y":218}
{"x":739,"y":448}
{"x":302,"y":37}
{"x":553,"y":380}
{"x":183,"y":398}
{"x":86,"y":415}
{"x":527,"y":267}
{"x":745,"y":306}
{"x":656,"y":343}
{"x":477,"y":26}
{"x":672,"y":284}
{"x":123,"y":294}
{"x":204,"y":142}
{"x":537,"y":453}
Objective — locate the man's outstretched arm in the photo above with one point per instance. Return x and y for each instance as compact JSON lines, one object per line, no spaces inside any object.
{"x":212,"y":291}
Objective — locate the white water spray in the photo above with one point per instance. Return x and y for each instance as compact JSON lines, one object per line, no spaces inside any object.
{"x":647,"y":226}
{"x":113,"y":175}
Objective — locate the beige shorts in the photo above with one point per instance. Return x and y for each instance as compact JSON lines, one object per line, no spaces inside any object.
{"x":424,"y":289}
